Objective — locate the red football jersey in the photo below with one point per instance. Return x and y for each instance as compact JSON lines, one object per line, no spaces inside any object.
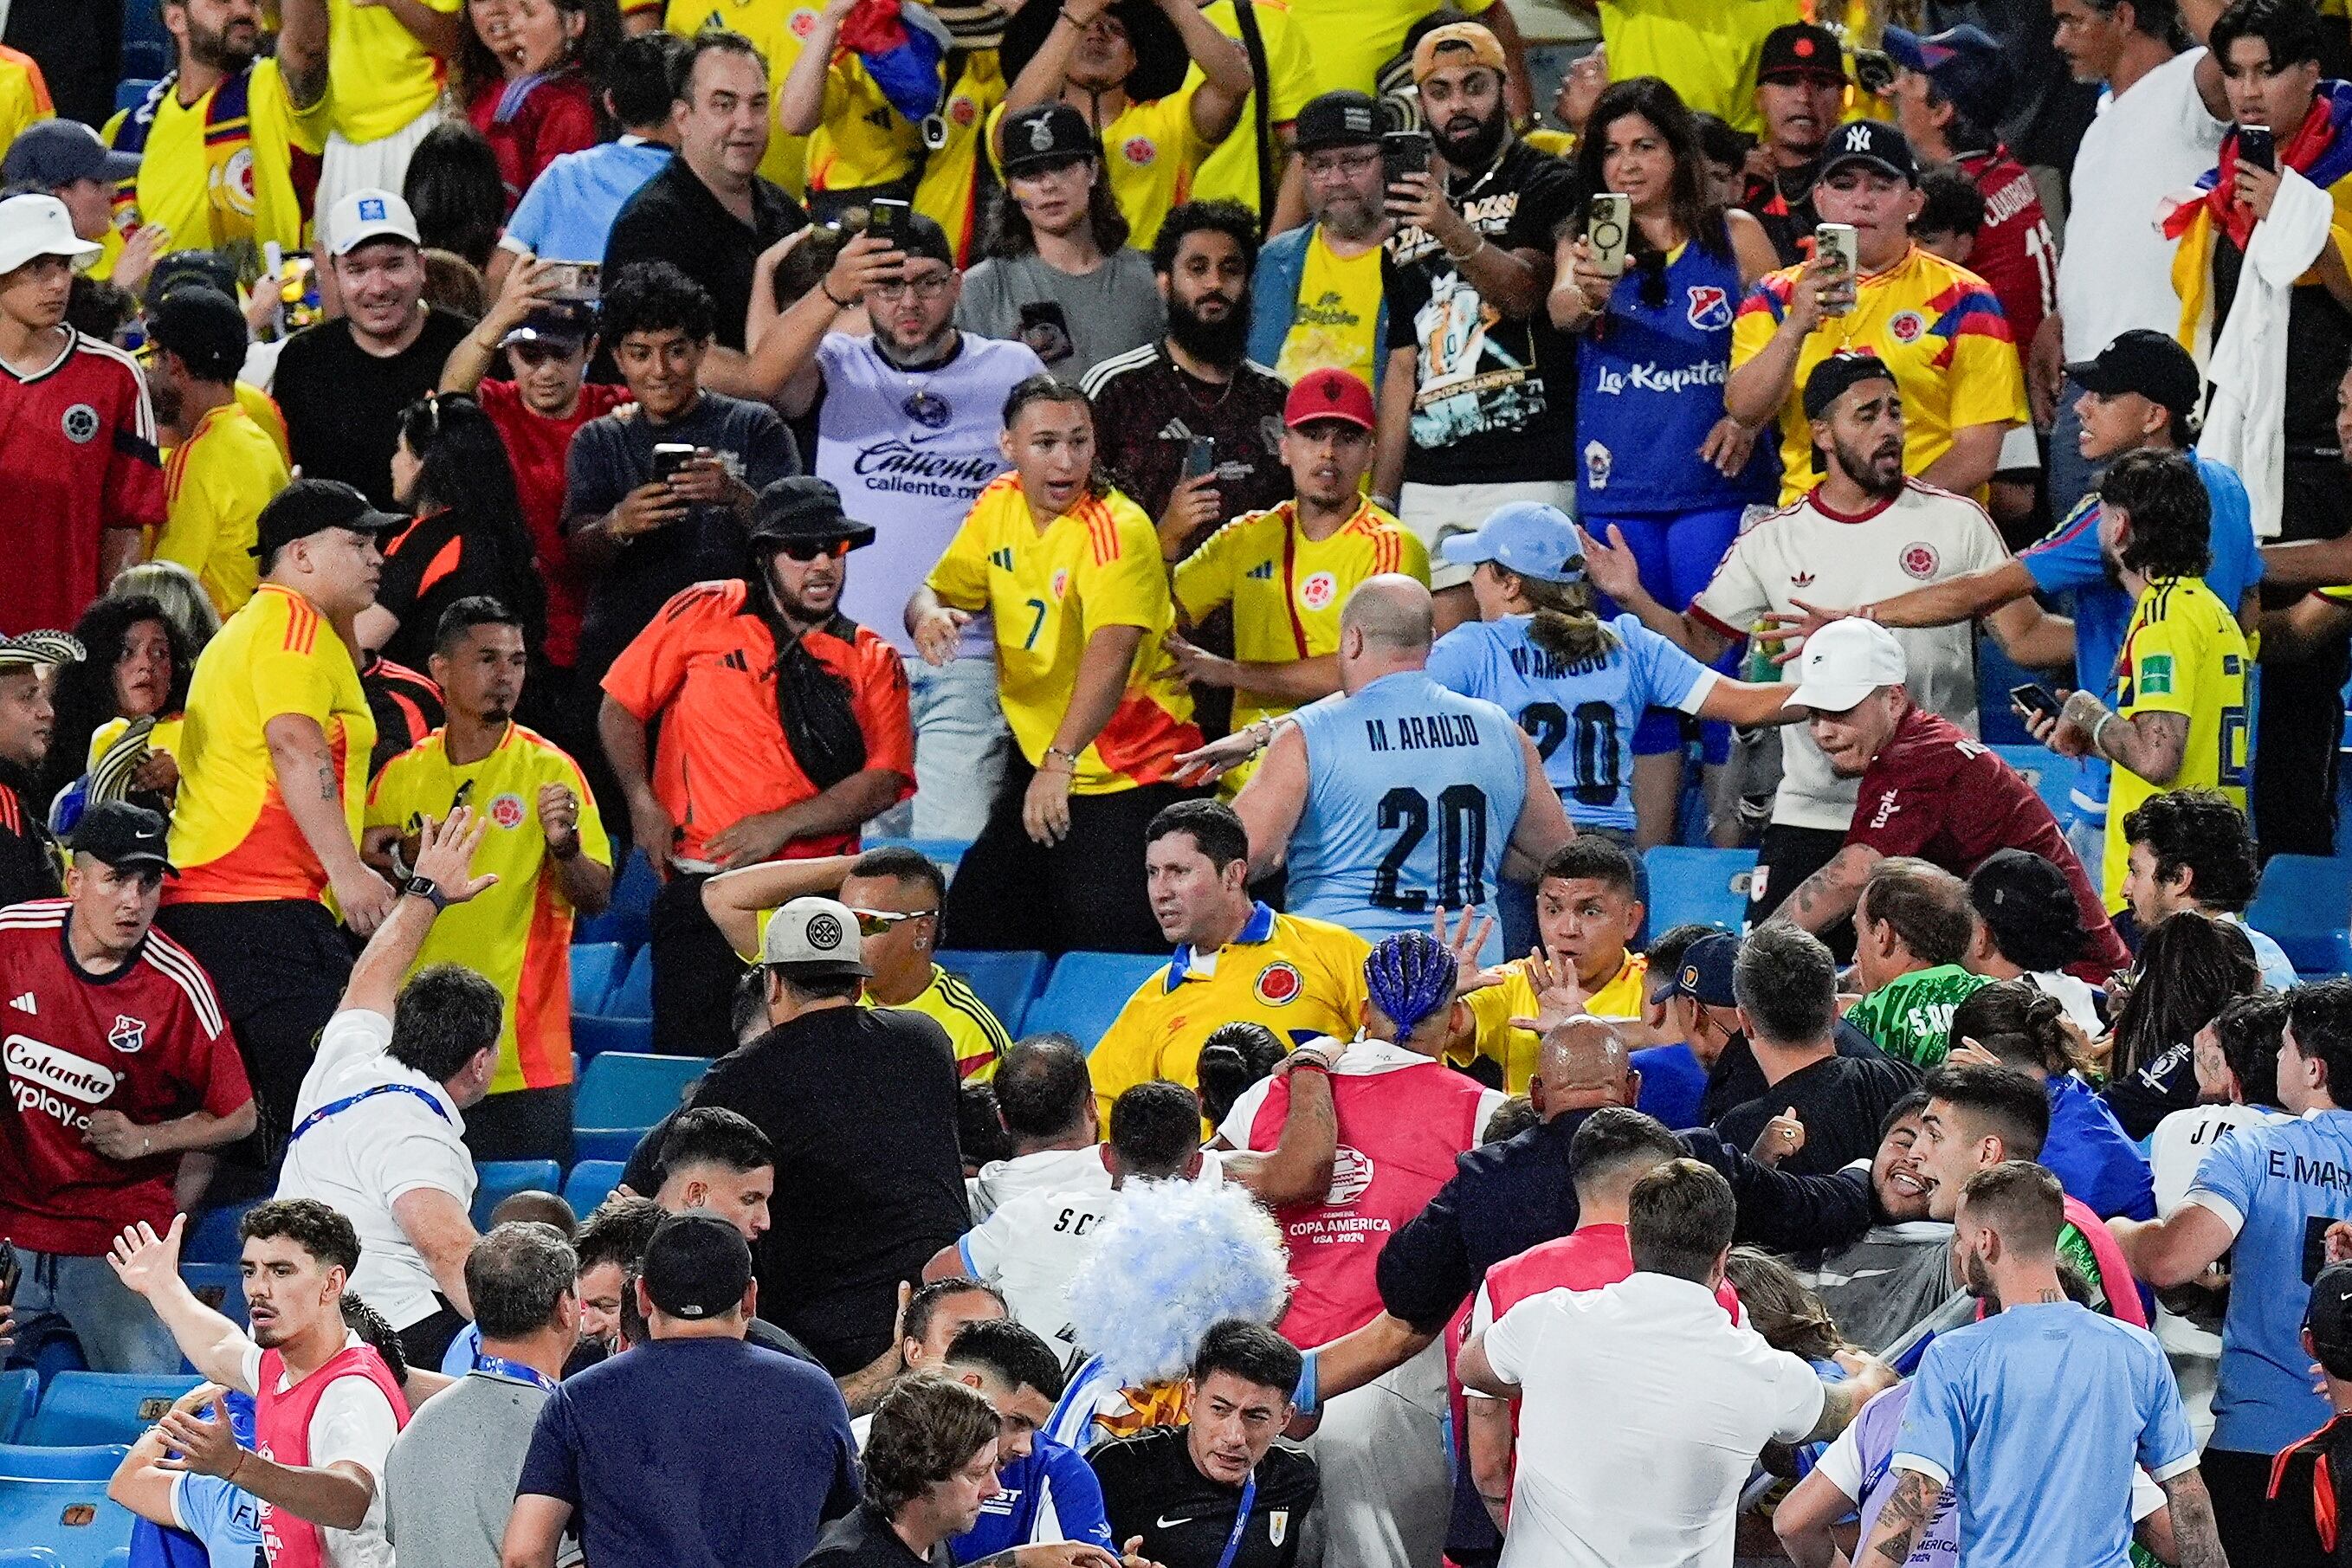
{"x":148,"y":1040}
{"x":1939,"y":795}
{"x":2014,"y":253}
{"x":77,"y":444}
{"x":538,"y":446}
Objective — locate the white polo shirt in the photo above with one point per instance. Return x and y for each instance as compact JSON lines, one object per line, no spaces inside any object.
{"x":1691,"y":1398}
{"x":367,"y":1155}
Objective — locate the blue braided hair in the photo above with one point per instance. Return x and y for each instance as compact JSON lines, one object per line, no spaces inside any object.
{"x":1409,"y":976}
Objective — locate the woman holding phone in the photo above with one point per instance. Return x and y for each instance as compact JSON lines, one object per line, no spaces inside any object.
{"x":1651,"y":276}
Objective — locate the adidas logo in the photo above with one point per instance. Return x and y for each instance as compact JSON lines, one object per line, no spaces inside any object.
{"x":24,"y":1003}
{"x":1175,"y":430}
{"x":1262,"y":572}
{"x":1001,"y":559}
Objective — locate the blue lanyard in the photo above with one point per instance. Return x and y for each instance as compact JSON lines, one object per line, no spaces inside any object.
{"x":323,"y":1112}
{"x":1241,"y":1521}
{"x":515,"y":1371}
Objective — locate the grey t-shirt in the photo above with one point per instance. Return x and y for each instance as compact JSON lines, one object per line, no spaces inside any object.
{"x":1890,"y":1280}
{"x":449,"y":1483}
{"x":1074,"y":321}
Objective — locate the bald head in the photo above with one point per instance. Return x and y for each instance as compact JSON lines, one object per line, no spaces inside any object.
{"x":1582,"y":1064}
{"x":1388,"y":619}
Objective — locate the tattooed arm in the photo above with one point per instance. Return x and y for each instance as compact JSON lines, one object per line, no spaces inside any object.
{"x":1900,"y":1521}
{"x":311,"y":788}
{"x":2195,"y":1540}
{"x":1829,"y":894}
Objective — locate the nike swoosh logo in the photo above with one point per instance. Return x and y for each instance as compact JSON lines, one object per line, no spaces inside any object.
{"x":1167,"y":1524}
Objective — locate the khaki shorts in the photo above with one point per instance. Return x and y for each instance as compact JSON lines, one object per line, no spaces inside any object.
{"x":1437,"y":512}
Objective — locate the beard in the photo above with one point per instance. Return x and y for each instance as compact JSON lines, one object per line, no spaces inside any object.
{"x":1864,"y":468}
{"x":1977,"y":1280}
{"x":1351,"y":219}
{"x":1469,"y":150}
{"x":213,"y":49}
{"x":1220,"y":342}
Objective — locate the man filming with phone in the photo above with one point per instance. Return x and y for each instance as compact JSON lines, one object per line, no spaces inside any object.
{"x":1937,"y":326}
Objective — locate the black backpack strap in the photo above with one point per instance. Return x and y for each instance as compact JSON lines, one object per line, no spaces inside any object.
{"x":1269,"y":155}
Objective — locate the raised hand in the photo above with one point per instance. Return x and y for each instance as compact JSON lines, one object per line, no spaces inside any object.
{"x":143,"y":1260}
{"x":444,"y":854}
{"x":1782,"y":1136}
{"x":1559,"y":997}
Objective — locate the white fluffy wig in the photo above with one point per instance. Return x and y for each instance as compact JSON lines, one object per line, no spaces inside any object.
{"x":1176,"y":1257}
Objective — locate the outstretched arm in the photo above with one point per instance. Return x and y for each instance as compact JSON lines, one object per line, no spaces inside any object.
{"x":1830,"y":894}
{"x":149,"y":1265}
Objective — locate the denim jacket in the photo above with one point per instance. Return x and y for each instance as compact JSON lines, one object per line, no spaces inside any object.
{"x":1273,"y":301}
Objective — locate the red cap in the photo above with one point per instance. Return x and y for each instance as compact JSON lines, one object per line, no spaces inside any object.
{"x":1328,"y":394}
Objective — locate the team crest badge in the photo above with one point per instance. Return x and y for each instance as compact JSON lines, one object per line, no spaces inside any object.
{"x":1139,"y":150}
{"x":1041,"y":135}
{"x":1061,"y":584}
{"x":1919,"y":560}
{"x":1709,"y":307}
{"x":1351,"y":1175}
{"x":128,"y":1035}
{"x":1907,"y":327}
{"x":507,"y":810}
{"x":803,"y":23}
{"x":79,"y":423}
{"x":1279,"y":984}
{"x":1278,"y":1526}
{"x":962,"y":109}
{"x":1318,"y":590}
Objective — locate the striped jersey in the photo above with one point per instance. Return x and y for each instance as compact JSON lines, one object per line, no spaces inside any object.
{"x":77,"y":444}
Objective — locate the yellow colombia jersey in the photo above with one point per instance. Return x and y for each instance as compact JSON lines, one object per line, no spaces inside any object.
{"x":1096,"y":565}
{"x":518,"y":934}
{"x":1152,"y":153}
{"x":232,"y":836}
{"x":2182,"y":654}
{"x":379,"y":77}
{"x":1939,"y":330}
{"x":776,"y":29}
{"x":1336,"y":322}
{"x":264,"y":412}
{"x":1302,"y":978}
{"x":861,"y":141}
{"x":977,"y":1038}
{"x":1229,"y":171}
{"x":1706,"y":49}
{"x":253,"y":199}
{"x":164,"y":737}
{"x":948,"y":190}
{"x":1515,"y":1050}
{"x":1288,"y":589}
{"x":215,"y":485}
{"x":23,"y":93}
{"x":1354,"y":39}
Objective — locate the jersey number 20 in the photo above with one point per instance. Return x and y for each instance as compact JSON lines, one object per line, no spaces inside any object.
{"x":1461,"y":847}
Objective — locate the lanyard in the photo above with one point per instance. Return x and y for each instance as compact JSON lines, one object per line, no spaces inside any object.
{"x":513,"y":1371}
{"x":345,"y":1103}
{"x":1241,"y":1521}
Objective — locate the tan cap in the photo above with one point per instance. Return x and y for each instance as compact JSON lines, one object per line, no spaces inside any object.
{"x":1454,"y":40}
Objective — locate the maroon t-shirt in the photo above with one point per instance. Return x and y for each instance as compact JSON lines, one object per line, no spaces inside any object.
{"x":1937,"y":794}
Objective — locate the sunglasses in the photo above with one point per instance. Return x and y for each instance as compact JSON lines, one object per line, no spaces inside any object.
{"x":875,"y":922}
{"x":805,"y":550}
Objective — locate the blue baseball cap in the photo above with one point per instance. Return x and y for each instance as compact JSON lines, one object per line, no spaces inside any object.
{"x":1705,"y":973}
{"x":1963,"y":63}
{"x":1525,"y":537}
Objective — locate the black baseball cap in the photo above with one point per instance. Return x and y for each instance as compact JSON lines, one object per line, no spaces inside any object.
{"x":697,"y":1266}
{"x":1705,"y":974}
{"x":1834,"y":376}
{"x":1873,"y":144}
{"x":1963,"y":63}
{"x":1342,"y":119}
{"x":212,"y":269}
{"x":309,"y":506}
{"x":2149,"y":363}
{"x":2013,"y":886}
{"x":1045,"y":133}
{"x":564,"y":324}
{"x":60,"y":151}
{"x":1800,"y":49}
{"x":203,"y":327}
{"x":124,"y":835}
{"x":2329,"y":1317}
{"x":804,"y":506}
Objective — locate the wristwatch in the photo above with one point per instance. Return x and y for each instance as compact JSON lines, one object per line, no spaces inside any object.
{"x":425,"y":888}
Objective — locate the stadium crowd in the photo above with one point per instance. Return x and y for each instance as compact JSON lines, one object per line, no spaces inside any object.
{"x":859,"y":484}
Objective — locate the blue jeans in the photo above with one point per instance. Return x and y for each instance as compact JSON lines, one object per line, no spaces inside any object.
{"x":2070,"y":473}
{"x":960,"y":747}
{"x":118,"y":1329}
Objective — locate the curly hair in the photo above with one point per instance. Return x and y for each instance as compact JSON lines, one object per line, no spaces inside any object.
{"x":320,"y":1230}
{"x":926,"y":1429}
{"x":655,"y":297}
{"x":84,"y":697}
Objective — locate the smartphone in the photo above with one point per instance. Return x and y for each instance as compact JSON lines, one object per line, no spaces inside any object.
{"x":887,"y":219}
{"x":1405,"y":152}
{"x":1046,"y":330}
{"x":669,"y":457}
{"x":575,"y":279}
{"x":2034,"y":697}
{"x":2257,"y":146}
{"x":1607,"y":225}
{"x":1199,"y":457}
{"x":1840,"y":241}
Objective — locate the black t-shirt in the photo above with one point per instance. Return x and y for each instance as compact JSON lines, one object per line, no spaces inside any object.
{"x":1735,"y":1079}
{"x":1150,"y":1488}
{"x":2308,"y":1484}
{"x":674,"y":218}
{"x":1147,"y":412}
{"x":342,"y":403}
{"x":29,"y":860}
{"x":1496,"y":399}
{"x":438,"y":559}
{"x":1783,"y":202}
{"x":861,"y":1105}
{"x":1841,"y":1099}
{"x":861,"y":1538}
{"x":406,"y":706}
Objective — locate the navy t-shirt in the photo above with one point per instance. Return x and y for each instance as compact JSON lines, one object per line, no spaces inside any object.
{"x":696,"y":1453}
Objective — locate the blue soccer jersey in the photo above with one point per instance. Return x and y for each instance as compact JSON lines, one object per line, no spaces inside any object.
{"x":2277,"y":1187}
{"x":1580,"y":713}
{"x":1048,"y":1495}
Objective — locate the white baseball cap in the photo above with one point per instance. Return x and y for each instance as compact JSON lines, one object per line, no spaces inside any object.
{"x":814,"y":937}
{"x":33,"y":226}
{"x":1844,"y":662}
{"x":369,"y":215}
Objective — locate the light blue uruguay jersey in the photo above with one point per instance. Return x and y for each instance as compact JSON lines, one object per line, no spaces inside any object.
{"x":1412,"y":794}
{"x":2277,"y":1186}
{"x":1580,"y":713}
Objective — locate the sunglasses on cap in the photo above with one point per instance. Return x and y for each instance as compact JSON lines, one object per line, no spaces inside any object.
{"x":809,"y":550}
{"x":876,"y":922}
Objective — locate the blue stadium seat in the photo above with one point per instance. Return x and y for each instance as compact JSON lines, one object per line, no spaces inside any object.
{"x":79,"y":1407}
{"x":945,"y":854}
{"x":628,"y":919}
{"x":1705,"y":887}
{"x":1087,"y":992}
{"x":596,"y":967}
{"x":1007,"y":982}
{"x":2302,"y":906}
{"x":606,"y":1146}
{"x":2052,"y":775}
{"x":53,"y":1502}
{"x":590,"y":1184}
{"x":213,"y":1238}
{"x":20,"y":1391}
{"x":633,"y":992}
{"x":30,"y":1557}
{"x":593,"y":1035}
{"x":220,"y":1286}
{"x":622,"y":1094}
{"x":497,"y":1180}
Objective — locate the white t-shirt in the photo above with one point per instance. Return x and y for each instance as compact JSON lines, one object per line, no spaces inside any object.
{"x":2116,"y":272}
{"x":365,"y":1158}
{"x":352,"y":1421}
{"x":1032,"y":1248}
{"x":1924,"y":535}
{"x":1690,"y":1397}
{"x":2183,"y":1139}
{"x":1053,"y":1170}
{"x":2075,"y":996}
